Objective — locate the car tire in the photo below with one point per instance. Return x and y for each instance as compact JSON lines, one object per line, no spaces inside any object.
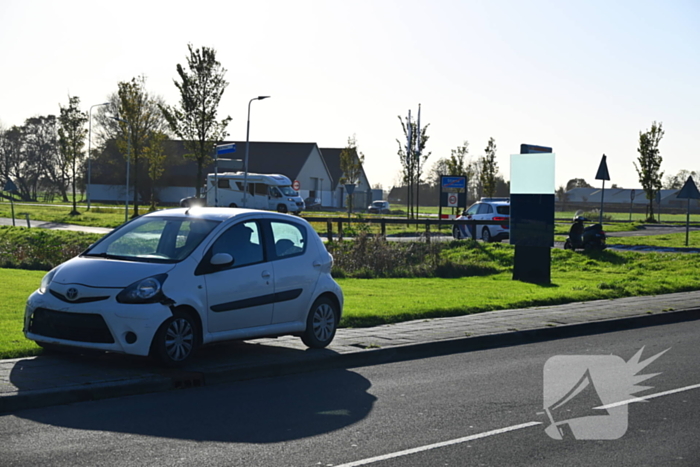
{"x":233,"y":205}
{"x":567,"y":245}
{"x":456,"y":233}
{"x":282,"y":208}
{"x":176,"y":340}
{"x":321,"y":323}
{"x":486,"y":235}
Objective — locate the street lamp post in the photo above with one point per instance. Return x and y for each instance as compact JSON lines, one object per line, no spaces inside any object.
{"x":128,"y":168}
{"x":90,"y":151}
{"x":247,"y":145}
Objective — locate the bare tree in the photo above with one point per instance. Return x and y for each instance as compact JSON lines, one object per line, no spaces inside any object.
{"x":413,"y":157}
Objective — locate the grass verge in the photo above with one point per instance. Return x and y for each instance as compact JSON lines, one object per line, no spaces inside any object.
{"x":575,"y":277}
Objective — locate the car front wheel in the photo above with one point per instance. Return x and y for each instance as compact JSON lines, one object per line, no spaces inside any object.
{"x":321,"y":324}
{"x":176,"y":340}
{"x":486,"y":235}
{"x":456,"y":233}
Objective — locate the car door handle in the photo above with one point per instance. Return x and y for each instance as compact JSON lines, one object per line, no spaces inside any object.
{"x":317,"y":264}
{"x":265,"y":274}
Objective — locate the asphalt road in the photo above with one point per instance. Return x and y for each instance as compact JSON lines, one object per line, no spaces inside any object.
{"x":486,"y":408}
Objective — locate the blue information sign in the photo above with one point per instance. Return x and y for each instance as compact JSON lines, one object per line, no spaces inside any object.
{"x":454,"y":183}
{"x":225,"y":149}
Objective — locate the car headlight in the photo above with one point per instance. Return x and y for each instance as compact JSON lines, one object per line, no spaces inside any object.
{"x":148,"y":290}
{"x":46,"y":280}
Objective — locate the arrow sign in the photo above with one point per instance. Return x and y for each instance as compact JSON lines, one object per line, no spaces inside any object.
{"x":689,"y":190}
{"x":225,"y":149}
{"x":603,"y":170}
{"x":10,"y":186}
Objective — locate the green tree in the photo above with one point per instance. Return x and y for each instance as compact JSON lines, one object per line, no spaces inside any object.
{"x":155,"y":155}
{"x":650,"y":163}
{"x":12,"y":145}
{"x":351,"y":161}
{"x":138,"y":116}
{"x":71,"y":137}
{"x":195,"y":121}
{"x":460,"y":164}
{"x":489,"y":169}
{"x":676,"y":182}
{"x":577,"y":183}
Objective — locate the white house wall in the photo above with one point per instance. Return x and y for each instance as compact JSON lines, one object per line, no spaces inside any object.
{"x":315,"y":169}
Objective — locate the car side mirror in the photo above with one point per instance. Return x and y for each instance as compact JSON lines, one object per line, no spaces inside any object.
{"x":221,"y":259}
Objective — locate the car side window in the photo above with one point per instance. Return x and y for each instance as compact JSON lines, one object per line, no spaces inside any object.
{"x":485,"y":209}
{"x":472,"y":210}
{"x":242,"y":241}
{"x":289,"y":239}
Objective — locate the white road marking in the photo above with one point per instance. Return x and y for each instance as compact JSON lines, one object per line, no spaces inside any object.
{"x":407,"y":452}
{"x":650,"y":396}
{"x":486,"y":434}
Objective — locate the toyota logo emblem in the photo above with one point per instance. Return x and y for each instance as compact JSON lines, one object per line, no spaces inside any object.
{"x":72,"y":294}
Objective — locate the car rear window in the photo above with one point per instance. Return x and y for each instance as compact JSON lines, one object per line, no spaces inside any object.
{"x":505,"y":210}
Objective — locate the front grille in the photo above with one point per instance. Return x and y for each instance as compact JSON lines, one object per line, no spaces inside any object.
{"x":79,"y":300}
{"x":79,"y":327}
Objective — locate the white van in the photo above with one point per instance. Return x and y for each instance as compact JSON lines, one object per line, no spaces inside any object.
{"x":265,"y":191}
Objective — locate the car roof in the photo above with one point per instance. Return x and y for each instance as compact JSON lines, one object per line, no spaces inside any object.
{"x":216,"y":214}
{"x":500,"y":201}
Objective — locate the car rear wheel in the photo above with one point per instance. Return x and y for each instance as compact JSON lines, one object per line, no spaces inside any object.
{"x":176,"y":340}
{"x":486,"y":235}
{"x":321,"y":323}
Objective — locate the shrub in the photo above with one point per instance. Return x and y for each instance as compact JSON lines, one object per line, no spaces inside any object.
{"x":373,"y":256}
{"x":40,"y":249}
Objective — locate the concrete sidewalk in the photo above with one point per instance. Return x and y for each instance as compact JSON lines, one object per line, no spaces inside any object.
{"x":60,"y":379}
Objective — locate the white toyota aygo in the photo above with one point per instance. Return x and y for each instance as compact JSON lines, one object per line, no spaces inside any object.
{"x":167,"y":282}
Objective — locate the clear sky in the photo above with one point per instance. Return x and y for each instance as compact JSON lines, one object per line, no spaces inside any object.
{"x":584,"y":77}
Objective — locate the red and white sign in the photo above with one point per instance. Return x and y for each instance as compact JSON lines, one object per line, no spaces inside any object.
{"x":452,"y":200}
{"x":296,"y":185}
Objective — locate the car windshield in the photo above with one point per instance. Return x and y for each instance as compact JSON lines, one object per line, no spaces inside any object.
{"x":154,"y":239}
{"x":288,"y":191}
{"x":378,"y":204}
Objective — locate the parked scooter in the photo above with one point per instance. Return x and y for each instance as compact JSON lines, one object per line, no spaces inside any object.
{"x":587,"y":238}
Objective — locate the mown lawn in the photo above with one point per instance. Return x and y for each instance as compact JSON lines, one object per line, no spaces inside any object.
{"x":575,"y":277}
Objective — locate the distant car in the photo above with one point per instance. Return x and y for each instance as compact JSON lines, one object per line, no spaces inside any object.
{"x":312,"y":204}
{"x":169,"y":281}
{"x":379,"y":207}
{"x":492,"y":209}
